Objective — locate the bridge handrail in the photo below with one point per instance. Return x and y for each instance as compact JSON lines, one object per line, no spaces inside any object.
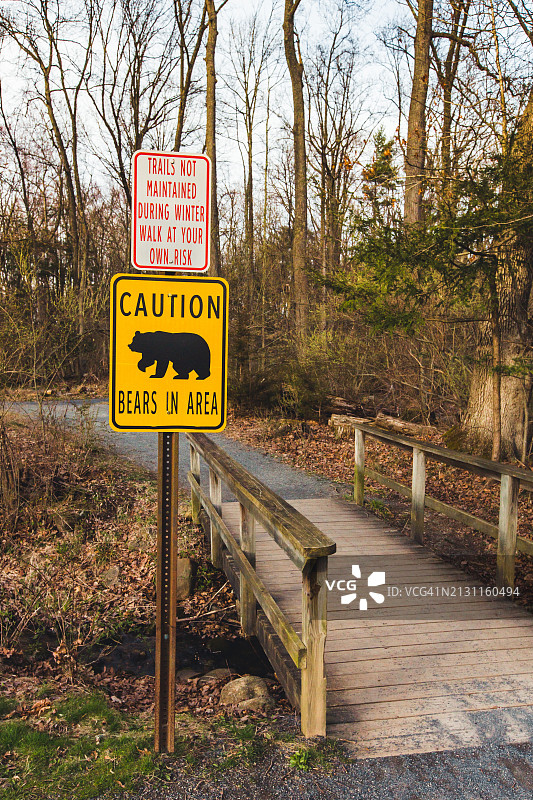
{"x":480,"y":466}
{"x":511,"y":479}
{"x":294,"y":533}
{"x":304,"y":543}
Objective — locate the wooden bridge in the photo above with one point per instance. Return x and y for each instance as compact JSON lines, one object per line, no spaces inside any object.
{"x":408,"y":676}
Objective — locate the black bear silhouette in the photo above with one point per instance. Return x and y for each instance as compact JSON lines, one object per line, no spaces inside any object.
{"x":188,"y":352}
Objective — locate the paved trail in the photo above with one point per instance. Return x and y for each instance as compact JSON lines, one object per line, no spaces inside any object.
{"x":484,"y":773}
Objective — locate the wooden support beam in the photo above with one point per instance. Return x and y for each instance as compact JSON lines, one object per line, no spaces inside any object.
{"x":195,"y":470}
{"x":359,"y":468}
{"x":314,"y":630}
{"x":418,"y":499}
{"x":291,"y":641}
{"x":248,"y":606}
{"x":215,"y":493}
{"x":507,"y":530}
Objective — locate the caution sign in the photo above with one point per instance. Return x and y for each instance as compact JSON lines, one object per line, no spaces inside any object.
{"x":168,"y":353}
{"x":170,"y":211}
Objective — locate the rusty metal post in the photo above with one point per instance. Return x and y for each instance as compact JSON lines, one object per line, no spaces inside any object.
{"x":165,"y":637}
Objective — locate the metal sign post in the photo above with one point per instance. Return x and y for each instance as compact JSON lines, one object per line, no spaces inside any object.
{"x":168,"y":373}
{"x":168,"y":360}
{"x":165,"y":636}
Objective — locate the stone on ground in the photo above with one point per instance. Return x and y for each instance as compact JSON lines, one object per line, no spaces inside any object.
{"x":248,"y":692}
{"x":186,"y":578}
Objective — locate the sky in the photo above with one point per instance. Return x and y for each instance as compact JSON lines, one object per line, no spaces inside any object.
{"x":373,"y":79}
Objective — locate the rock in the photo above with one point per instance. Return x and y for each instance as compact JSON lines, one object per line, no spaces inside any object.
{"x":110,"y":576}
{"x":258,"y":704}
{"x":216,"y":675}
{"x":187,"y":674}
{"x":186,"y":578}
{"x":248,"y":692}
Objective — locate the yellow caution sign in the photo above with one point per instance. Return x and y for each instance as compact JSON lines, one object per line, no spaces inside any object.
{"x":168,"y":354}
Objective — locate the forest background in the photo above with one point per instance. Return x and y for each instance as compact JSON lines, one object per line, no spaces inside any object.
{"x":373,"y":195}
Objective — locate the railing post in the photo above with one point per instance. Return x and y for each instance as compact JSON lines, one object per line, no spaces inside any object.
{"x":215,"y":493}
{"x":247,"y":598}
{"x":359,"y":468}
{"x":195,"y":469}
{"x":314,"y":629}
{"x":419,"y":495}
{"x":507,"y":530}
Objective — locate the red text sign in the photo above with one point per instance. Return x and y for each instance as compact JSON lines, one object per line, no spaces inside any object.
{"x":170,"y":214}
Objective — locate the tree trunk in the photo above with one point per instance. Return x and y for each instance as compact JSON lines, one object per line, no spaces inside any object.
{"x":249,"y":206}
{"x":323,"y":240}
{"x":415,"y":155}
{"x":264,"y":264}
{"x":497,"y":416}
{"x":210,"y":132}
{"x":496,"y":389}
{"x":512,"y":299}
{"x":187,"y":63}
{"x":295,"y":66}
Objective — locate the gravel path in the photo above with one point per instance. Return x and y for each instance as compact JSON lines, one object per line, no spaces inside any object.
{"x":492,"y":772}
{"x":141,"y":447}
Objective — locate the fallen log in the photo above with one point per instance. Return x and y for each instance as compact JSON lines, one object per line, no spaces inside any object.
{"x":343,"y":424}
{"x":400,"y":426}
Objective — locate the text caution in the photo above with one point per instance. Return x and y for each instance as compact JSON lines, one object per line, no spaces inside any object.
{"x":168,"y":353}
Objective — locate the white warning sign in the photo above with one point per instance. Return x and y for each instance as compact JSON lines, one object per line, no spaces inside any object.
{"x":170,"y":211}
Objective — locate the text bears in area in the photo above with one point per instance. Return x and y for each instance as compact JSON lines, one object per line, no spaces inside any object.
{"x":191,"y":403}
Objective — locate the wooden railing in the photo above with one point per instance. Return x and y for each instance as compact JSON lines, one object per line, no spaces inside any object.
{"x":511,"y":480}
{"x":306,"y":546}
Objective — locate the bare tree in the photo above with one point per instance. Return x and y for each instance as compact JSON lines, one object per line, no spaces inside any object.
{"x":210,"y":127}
{"x":59,"y":48}
{"x":447,"y":68}
{"x":334,"y":127}
{"x":191,"y":18}
{"x":250,"y":52}
{"x":502,"y":384}
{"x":131,"y":85}
{"x":415,"y":154}
{"x":299,"y":247}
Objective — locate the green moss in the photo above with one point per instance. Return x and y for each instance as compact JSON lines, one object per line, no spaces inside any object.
{"x":79,"y":708}
{"x":76,"y":763}
{"x":6,"y":706}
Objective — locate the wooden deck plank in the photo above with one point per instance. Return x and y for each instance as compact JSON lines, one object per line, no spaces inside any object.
{"x":442,"y":688}
{"x":440,"y":732}
{"x":430,"y":706}
{"x":513,"y":618}
{"x":456,"y":673}
{"x":414,"y":676}
{"x":455,"y":640}
{"x":422,"y":649}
